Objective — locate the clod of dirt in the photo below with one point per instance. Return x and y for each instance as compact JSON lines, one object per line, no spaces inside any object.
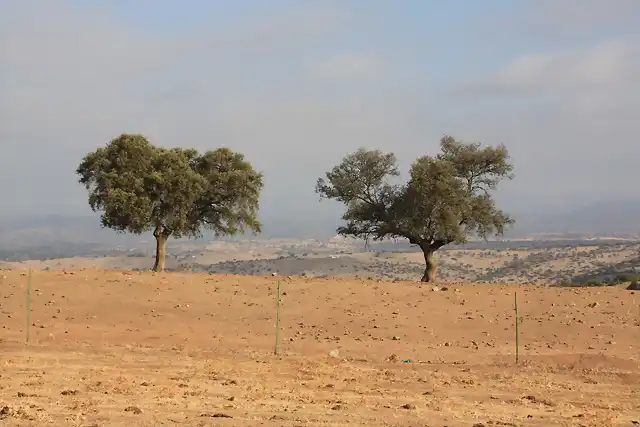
{"x":69,"y":392}
{"x":5,"y":412}
{"x":408,"y":406}
{"x":534,"y":399}
{"x":133,"y":409}
{"x":217,"y":415}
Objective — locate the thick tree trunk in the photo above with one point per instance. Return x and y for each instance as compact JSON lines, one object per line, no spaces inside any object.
{"x":430,"y":265}
{"x":161,"y":250}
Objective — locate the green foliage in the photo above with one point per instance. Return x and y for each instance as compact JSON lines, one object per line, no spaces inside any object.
{"x":446,"y":200}
{"x":626,"y":277}
{"x":178,"y":192}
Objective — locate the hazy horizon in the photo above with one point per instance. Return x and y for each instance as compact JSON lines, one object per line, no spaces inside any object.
{"x":296,"y":85}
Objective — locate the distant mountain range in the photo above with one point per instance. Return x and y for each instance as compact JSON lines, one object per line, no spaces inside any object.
{"x":615,"y":218}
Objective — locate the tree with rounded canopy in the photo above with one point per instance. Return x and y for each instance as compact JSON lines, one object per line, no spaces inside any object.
{"x":447,"y":199}
{"x":177,"y":192}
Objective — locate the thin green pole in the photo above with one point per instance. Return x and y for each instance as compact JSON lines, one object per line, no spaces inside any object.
{"x":277,"y":317}
{"x":28,"y":304}
{"x":515,"y":300}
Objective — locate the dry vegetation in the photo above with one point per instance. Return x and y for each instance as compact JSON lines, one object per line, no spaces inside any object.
{"x":127,"y":348}
{"x":321,"y":259}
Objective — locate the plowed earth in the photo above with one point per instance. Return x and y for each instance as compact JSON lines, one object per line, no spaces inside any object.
{"x":113,"y":348}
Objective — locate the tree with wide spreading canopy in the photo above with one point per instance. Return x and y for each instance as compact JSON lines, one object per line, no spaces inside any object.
{"x":176,"y":192}
{"x":446,"y":200}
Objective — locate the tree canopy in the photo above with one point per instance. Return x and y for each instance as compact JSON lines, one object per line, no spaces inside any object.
{"x":178,"y":192}
{"x":447,"y":199}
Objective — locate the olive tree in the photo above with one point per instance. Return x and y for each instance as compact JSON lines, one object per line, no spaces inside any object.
{"x":139,"y":187}
{"x":447,"y":199}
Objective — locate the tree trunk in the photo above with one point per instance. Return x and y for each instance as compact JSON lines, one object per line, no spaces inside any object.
{"x":161,"y":251}
{"x":430,"y":266}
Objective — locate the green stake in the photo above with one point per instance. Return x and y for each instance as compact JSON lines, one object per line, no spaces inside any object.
{"x":277,"y":317}
{"x":515,"y":299}
{"x":28,"y":304}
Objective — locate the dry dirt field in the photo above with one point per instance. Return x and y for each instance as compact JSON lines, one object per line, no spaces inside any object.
{"x":126,"y":348}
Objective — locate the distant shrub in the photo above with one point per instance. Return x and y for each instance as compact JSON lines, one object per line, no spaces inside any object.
{"x":626,"y":277}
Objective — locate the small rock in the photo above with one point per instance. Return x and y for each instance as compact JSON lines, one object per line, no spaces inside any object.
{"x":334,"y":353}
{"x":408,"y":406}
{"x":133,"y":409}
{"x":69,"y":392}
{"x":396,"y":338}
{"x":274,"y":274}
{"x":593,"y":305}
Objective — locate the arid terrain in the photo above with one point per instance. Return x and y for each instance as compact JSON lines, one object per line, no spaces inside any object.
{"x":530,"y":262}
{"x":122,"y":348}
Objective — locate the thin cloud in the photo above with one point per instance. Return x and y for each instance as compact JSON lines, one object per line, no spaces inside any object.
{"x":349,"y":67}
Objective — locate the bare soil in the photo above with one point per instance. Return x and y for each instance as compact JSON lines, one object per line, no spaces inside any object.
{"x":126,"y":348}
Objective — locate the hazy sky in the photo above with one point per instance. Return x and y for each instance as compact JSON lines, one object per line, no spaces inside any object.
{"x":296,"y":84}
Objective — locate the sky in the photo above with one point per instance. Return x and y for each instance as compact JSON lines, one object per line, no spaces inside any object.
{"x":295,"y":85}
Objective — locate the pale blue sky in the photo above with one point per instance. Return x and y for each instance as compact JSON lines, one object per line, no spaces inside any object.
{"x":296,"y":84}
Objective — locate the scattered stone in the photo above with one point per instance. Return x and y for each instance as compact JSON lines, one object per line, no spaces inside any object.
{"x":396,"y":338}
{"x":133,"y":409}
{"x":69,"y":392}
{"x":274,"y":274}
{"x":593,"y":305}
{"x":334,"y":353}
{"x":408,"y":406}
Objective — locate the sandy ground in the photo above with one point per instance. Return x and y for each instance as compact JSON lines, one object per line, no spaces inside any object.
{"x":124,"y":348}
